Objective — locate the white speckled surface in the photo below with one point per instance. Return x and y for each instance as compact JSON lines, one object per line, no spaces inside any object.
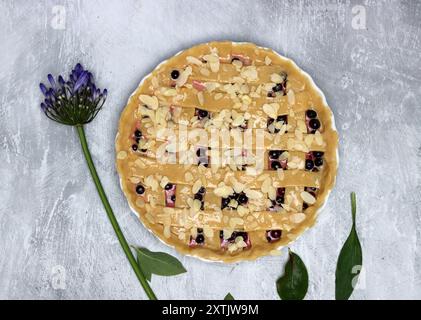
{"x":52,"y":219}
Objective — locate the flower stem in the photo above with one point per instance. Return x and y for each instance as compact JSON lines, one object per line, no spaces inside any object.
{"x":129,"y":254}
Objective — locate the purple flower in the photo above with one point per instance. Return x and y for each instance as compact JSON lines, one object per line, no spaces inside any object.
{"x":73,"y":102}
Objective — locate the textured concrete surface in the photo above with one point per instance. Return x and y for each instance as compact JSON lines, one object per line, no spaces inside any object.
{"x":55,"y":240}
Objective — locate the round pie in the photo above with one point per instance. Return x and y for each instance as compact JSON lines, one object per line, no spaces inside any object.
{"x":226,"y":151}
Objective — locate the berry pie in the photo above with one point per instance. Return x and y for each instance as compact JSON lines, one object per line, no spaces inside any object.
{"x":226,"y":151}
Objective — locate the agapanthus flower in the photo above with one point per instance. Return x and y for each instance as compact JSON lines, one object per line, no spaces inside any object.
{"x":76,"y":102}
{"x":73,"y":102}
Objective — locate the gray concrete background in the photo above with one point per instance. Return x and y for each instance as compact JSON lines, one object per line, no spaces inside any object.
{"x":52,"y":223}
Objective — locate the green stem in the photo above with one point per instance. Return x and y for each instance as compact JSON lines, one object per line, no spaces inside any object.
{"x":129,"y":254}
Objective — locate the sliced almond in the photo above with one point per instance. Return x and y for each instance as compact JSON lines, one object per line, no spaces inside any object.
{"x":269,"y":110}
{"x":276,"y":78}
{"x":194,"y":60}
{"x":307,"y":197}
{"x":164,"y":181}
{"x":268,"y":61}
{"x":253,"y":194}
{"x":297,"y":217}
{"x":196,"y":186}
{"x":122,"y":155}
{"x":150,"y":101}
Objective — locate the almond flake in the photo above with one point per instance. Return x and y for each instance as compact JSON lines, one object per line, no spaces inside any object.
{"x":150,"y":101}
{"x":268,"y":61}
{"x":134,"y":179}
{"x":167,"y":232}
{"x":233,"y":222}
{"x":270,"y":111}
{"x":297,"y":217}
{"x":223,"y":191}
{"x":208,"y":231}
{"x":170,"y":92}
{"x":122,"y":155}
{"x":164,"y":181}
{"x":291,"y":97}
{"x":276,"y":78}
{"x":307,"y":197}
{"x":204,"y":72}
{"x":140,"y":202}
{"x":253,"y":194}
{"x":196,"y":186}
{"x":218,"y":96}
{"x":194,"y":60}
{"x":200,"y":98}
{"x":281,"y":174}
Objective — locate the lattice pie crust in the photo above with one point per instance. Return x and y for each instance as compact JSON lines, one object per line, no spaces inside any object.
{"x":210,"y":199}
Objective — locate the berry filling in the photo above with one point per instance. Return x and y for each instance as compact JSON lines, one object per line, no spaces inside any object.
{"x":313,"y":192}
{"x":273,"y":235}
{"x":170,"y":195}
{"x":137,"y":136}
{"x":202,"y":156}
{"x":200,"y":195}
{"x":245,"y":60}
{"x":312,"y":122}
{"x":314,"y":161}
{"x":200,"y":86}
{"x":235,"y":237}
{"x":202,"y":114}
{"x":199,"y":240}
{"x":233,"y":201}
{"x":276,"y":205}
{"x":275,"y":161}
{"x":279,"y":88}
{"x":275,"y":126}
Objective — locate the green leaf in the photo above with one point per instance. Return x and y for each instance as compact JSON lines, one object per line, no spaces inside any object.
{"x":159,"y":263}
{"x":350,"y":260}
{"x":229,"y":297}
{"x":146,"y":272}
{"x":293,"y":284}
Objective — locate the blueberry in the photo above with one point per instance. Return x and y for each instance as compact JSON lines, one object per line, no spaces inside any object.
{"x":276,"y":234}
{"x":278,"y":87}
{"x":274,"y":154}
{"x":199,"y":230}
{"x":134,"y":147}
{"x":224,"y":203}
{"x":203,"y":113}
{"x":275,"y":165}
{"x":198,"y":196}
{"x":175,"y":74}
{"x":305,"y":206}
{"x":309,"y":164}
{"x":271,"y":94}
{"x":318,"y":162}
{"x":221,"y":234}
{"x":311,"y":114}
{"x":314,"y":124}
{"x":173,"y":198}
{"x":268,"y":239}
{"x":137,"y":140}
{"x":202,"y":190}
{"x":235,"y":59}
{"x":242,"y":198}
{"x":140,"y":189}
{"x":201,"y":152}
{"x":168,"y":186}
{"x":318,"y":154}
{"x":200,"y":238}
{"x":282,"y":118}
{"x":143,"y":150}
{"x":138,"y":133}
{"x":279,"y":199}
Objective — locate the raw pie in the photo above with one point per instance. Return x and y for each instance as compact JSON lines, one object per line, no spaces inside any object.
{"x":226,"y":151}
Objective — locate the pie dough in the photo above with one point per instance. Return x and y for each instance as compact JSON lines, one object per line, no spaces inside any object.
{"x":209,"y":199}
